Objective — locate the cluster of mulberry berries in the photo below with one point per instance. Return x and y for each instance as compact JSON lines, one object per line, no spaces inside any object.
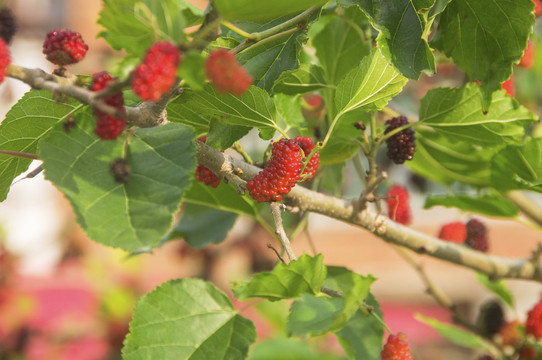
{"x":204,"y":174}
{"x":472,"y":234}
{"x":156,"y":74}
{"x":396,"y":348}
{"x":64,"y":47}
{"x":226,"y":74}
{"x":108,"y":127}
{"x":401,"y":146}
{"x":280,"y":174}
{"x":7,"y":24}
{"x":397,"y":199}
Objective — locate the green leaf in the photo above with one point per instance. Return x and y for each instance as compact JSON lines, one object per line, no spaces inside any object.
{"x":498,"y":287}
{"x":222,"y":136}
{"x":289,"y":109}
{"x":288,"y":349}
{"x":455,"y":141}
{"x":187,"y":319}
{"x":403,"y":33}
{"x":457,"y":113}
{"x":247,"y":10}
{"x":361,"y":337}
{"x":134,"y":216}
{"x":341,"y":44}
{"x":518,"y":167}
{"x":181,"y":110}
{"x":344,"y":141}
{"x":26,"y":123}
{"x":485,"y":38}
{"x":316,"y":315}
{"x":454,"y":334}
{"x":492,"y":204}
{"x":332,"y":178}
{"x":134,"y":25}
{"x":304,"y":275}
{"x":224,"y":197}
{"x":306,"y":78}
{"x":253,"y":109}
{"x":266,"y":62}
{"x":370,"y":85}
{"x":192,"y":69}
{"x":201,"y":226}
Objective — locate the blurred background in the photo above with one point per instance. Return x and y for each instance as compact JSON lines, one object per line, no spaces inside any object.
{"x":65,"y":297}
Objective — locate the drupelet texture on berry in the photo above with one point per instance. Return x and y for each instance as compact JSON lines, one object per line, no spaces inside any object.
{"x":477,"y":235}
{"x":396,"y":348}
{"x":157,"y":72}
{"x":307,"y":145}
{"x":280,"y":174}
{"x":398,"y":205}
{"x":454,"y":232}
{"x":64,"y":47}
{"x":5,"y":59}
{"x":533,"y":325}
{"x":401,"y":146}
{"x":8,"y":27}
{"x":108,"y":127}
{"x":226,"y":74}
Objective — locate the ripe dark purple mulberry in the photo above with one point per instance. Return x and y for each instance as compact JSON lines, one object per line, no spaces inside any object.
{"x":401,"y":146}
{"x":477,"y":235}
{"x":8,"y":27}
{"x":280,"y":174}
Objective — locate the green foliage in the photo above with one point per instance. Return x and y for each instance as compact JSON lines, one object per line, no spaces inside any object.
{"x":26,"y":123}
{"x":455,"y":139}
{"x":498,"y":287}
{"x":492,"y":204}
{"x":495,"y":34}
{"x":455,"y":334}
{"x":403,"y":27}
{"x":134,"y":25}
{"x":134,"y":216}
{"x":304,"y":275}
{"x":307,"y":78}
{"x":187,"y":319}
{"x":247,"y":10}
{"x":201,"y":226}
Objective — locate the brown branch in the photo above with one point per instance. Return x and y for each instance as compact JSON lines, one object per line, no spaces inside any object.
{"x":277,"y":217}
{"x":390,"y":231}
{"x":526,"y":205}
{"x":19,"y":154}
{"x":147,"y":114}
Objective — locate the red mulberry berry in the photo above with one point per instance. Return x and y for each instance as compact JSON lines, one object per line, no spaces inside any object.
{"x":528,"y":353}
{"x":108,"y":127}
{"x":204,"y":174}
{"x":156,"y":74}
{"x":7,"y":24}
{"x":401,"y":146}
{"x":527,"y":59}
{"x":455,"y":232}
{"x":537,"y":8}
{"x":307,"y":145}
{"x":533,"y":325}
{"x":509,"y":86}
{"x":477,"y":235}
{"x":280,"y":174}
{"x":5,"y":59}
{"x":396,"y":348}
{"x":64,"y":47}
{"x":398,"y":205}
{"x":226,"y":74}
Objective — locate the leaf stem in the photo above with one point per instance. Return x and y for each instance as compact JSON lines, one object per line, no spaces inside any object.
{"x":238,"y":30}
{"x":239,"y":148}
{"x":246,"y":46}
{"x":19,"y":154}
